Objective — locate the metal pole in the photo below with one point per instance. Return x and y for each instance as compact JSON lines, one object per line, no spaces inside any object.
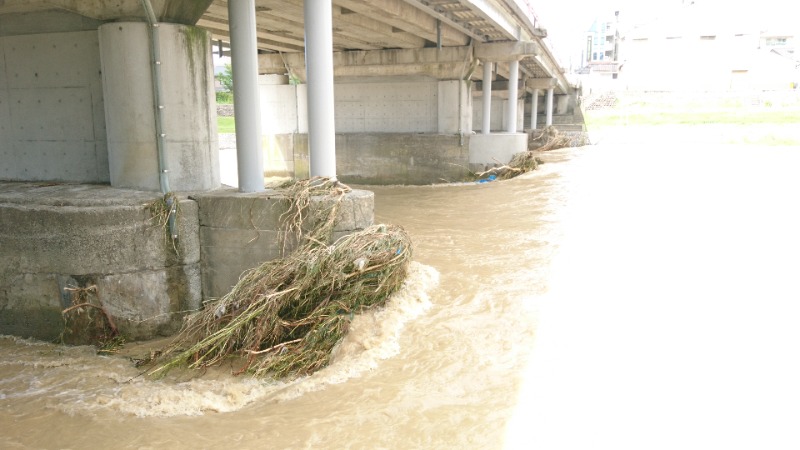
{"x":244,"y":63}
{"x":487,"y":98}
{"x":534,"y":108}
{"x":549,"y":111}
{"x":319,"y":73}
{"x":155,"y":65}
{"x":513,"y":84}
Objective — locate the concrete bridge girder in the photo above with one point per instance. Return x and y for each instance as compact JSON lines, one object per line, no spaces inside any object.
{"x":540,"y":83}
{"x":506,"y":51}
{"x":406,"y":17}
{"x":491,"y":11}
{"x":390,"y":22}
{"x":451,"y":63}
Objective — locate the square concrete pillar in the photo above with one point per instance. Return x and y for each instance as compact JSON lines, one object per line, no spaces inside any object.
{"x":455,"y":107}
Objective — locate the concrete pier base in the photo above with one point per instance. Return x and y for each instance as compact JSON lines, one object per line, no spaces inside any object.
{"x":76,"y":236}
{"x":56,"y":237}
{"x":240,"y":231}
{"x":487,"y":151}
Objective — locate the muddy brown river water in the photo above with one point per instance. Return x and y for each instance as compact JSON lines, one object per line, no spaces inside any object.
{"x":621,"y":296}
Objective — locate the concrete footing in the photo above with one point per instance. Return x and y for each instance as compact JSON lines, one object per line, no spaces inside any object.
{"x":489,"y":150}
{"x":241,"y":231}
{"x":76,"y":236}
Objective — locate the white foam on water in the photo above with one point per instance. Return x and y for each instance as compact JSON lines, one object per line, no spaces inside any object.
{"x":373,"y":336}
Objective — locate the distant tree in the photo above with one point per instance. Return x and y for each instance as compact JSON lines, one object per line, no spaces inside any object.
{"x":226,"y":78}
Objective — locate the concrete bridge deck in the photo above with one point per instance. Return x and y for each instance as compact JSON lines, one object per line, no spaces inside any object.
{"x":361,"y":25}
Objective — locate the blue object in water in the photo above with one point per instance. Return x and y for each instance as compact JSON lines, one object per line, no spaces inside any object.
{"x":490,"y":178}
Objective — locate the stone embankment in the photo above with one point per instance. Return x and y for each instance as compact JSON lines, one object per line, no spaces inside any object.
{"x":225,"y":110}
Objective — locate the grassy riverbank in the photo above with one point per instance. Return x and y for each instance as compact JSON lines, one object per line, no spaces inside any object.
{"x":226,"y":124}
{"x":765,"y":119}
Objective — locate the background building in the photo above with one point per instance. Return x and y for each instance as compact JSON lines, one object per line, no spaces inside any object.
{"x":690,"y":48}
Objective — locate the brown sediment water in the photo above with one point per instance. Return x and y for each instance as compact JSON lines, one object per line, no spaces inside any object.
{"x":618,"y":297}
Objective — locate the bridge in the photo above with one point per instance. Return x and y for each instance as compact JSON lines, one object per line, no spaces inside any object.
{"x":106,"y":106}
{"x":459,"y":44}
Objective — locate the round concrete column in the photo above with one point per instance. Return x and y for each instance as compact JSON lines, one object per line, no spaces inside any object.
{"x":513,"y":93}
{"x":319,"y":73}
{"x":244,"y":62}
{"x":534,"y":108}
{"x":189,"y":109}
{"x":486,"y":128}
{"x":549,"y":112}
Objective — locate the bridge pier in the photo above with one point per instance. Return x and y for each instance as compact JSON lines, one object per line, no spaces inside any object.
{"x":534,"y":108}
{"x":319,"y":63}
{"x":186,"y":106}
{"x":244,"y":62}
{"x":513,"y":96}
{"x":549,"y":111}
{"x":487,"y":98}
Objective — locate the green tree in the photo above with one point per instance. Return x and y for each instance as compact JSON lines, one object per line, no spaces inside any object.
{"x":226,"y":78}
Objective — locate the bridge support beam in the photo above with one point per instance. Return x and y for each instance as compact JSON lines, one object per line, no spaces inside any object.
{"x":549,"y":112}
{"x":486,"y":128}
{"x":534,"y":108}
{"x":319,"y":67}
{"x":513,"y":94}
{"x":244,"y":61}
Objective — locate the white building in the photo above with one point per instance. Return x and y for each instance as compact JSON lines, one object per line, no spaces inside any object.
{"x":696,"y":46}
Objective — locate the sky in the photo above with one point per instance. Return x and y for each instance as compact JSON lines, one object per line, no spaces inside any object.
{"x":566,"y":21}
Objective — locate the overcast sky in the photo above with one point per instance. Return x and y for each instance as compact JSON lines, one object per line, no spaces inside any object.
{"x":566,"y":21}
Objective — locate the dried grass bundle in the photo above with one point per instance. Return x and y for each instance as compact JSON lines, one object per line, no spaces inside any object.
{"x":551,"y":139}
{"x":285,"y":316}
{"x":520,"y":163}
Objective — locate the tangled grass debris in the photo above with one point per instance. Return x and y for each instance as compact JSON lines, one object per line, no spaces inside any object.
{"x":551,"y":138}
{"x":284,"y":317}
{"x":520,"y":163}
{"x":163,"y":214}
{"x":86,"y":320}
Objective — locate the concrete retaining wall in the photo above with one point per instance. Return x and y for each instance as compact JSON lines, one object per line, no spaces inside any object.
{"x":408,"y":158}
{"x":401,"y":105}
{"x":377,"y":158}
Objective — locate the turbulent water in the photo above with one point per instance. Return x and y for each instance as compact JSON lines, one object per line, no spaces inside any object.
{"x":619,"y":297}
